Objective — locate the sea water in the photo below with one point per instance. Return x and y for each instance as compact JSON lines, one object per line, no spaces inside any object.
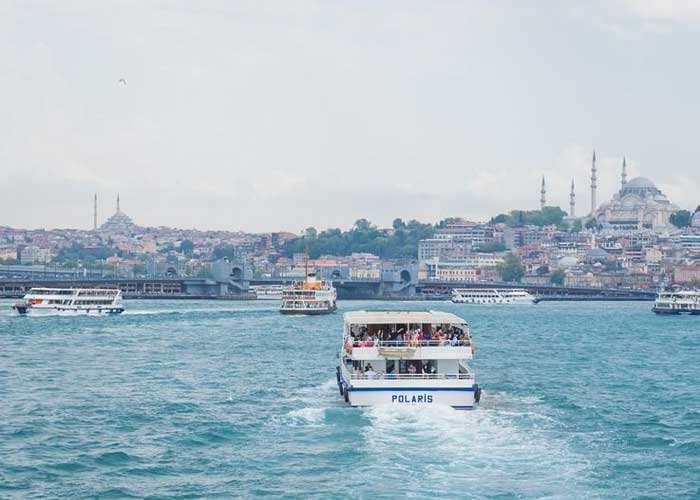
{"x":194,"y":399}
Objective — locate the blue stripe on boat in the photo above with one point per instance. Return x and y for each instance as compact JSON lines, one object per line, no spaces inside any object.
{"x":423,"y":389}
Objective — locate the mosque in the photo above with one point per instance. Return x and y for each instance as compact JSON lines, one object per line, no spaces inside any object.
{"x":639,"y":204}
{"x":119,"y":223}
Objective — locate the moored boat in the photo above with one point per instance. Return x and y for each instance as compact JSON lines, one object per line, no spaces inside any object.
{"x":492,"y":296}
{"x":680,"y":302}
{"x":268,"y":292}
{"x":71,"y":302}
{"x":402,"y":358}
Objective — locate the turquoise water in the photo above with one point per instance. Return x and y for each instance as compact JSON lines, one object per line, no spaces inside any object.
{"x":231,"y":400}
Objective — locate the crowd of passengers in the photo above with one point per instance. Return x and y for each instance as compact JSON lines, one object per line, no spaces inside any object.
{"x":427,"y":335}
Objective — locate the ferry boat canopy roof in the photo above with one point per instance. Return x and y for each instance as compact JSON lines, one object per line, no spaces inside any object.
{"x":402,"y":317}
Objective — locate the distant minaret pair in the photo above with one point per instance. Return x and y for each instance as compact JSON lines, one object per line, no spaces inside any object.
{"x":94,"y":212}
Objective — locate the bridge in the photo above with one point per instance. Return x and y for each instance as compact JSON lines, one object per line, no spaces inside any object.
{"x":231,"y":284}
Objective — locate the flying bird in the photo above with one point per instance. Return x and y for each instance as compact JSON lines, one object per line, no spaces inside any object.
{"x":122,"y":81}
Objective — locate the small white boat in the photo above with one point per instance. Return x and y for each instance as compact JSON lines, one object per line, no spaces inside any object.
{"x":71,"y":302}
{"x":404,"y":358}
{"x":268,"y":292}
{"x":492,"y":296}
{"x":682,"y":302}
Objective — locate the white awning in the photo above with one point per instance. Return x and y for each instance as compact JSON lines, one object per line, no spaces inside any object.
{"x":402,"y":317}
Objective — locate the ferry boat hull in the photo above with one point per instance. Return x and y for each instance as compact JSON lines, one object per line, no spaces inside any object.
{"x":458,"y":397}
{"x":676,"y":312}
{"x":495,"y":296}
{"x":308,"y":312}
{"x":26,"y":310}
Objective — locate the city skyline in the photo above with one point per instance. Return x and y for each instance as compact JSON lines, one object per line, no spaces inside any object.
{"x":256,"y":119}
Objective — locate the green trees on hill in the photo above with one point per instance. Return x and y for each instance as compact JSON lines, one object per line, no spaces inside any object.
{"x":548,"y":216}
{"x":401,"y":242}
{"x":511,"y":269}
{"x":681,"y":218}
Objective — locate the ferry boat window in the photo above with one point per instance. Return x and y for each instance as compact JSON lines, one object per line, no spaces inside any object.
{"x":390,"y":365}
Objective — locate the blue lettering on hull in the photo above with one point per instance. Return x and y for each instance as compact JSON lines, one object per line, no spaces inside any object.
{"x":416,"y":398}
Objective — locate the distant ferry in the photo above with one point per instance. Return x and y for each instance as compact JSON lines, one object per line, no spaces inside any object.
{"x":311,"y":296}
{"x":268,"y":292}
{"x":683,"y":302}
{"x":407,"y":358}
{"x":71,"y":302}
{"x":492,"y":296}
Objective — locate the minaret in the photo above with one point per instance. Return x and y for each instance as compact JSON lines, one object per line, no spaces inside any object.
{"x":543,"y":192}
{"x":572,"y":201}
{"x":623,"y":179}
{"x":594,"y":186}
{"x":94,"y":214}
{"x":117,"y":202}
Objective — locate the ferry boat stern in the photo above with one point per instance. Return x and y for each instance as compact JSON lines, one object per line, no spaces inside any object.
{"x":405,"y":358}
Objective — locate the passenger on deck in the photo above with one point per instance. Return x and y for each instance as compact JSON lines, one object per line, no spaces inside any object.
{"x":370,"y":372}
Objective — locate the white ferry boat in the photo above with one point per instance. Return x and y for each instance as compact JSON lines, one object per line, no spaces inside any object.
{"x":492,"y":296}
{"x":311,"y":296}
{"x":682,"y":302}
{"x":402,"y":358}
{"x":71,"y":301}
{"x":268,"y":292}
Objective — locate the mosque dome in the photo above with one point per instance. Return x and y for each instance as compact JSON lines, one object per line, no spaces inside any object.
{"x":640,"y":185}
{"x":596,"y":254}
{"x":568,"y":261}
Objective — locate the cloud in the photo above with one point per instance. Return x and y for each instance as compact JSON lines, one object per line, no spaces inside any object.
{"x":664,"y":9}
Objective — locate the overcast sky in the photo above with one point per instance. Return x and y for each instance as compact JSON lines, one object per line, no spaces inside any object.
{"x":265,"y":116}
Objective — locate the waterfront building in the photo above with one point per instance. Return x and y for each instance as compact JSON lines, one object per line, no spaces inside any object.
{"x":686,"y":274}
{"x":32,"y":254}
{"x":443,"y":248}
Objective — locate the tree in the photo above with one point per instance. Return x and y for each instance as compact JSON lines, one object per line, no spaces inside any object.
{"x":576,"y":227}
{"x":592,"y":224}
{"x":557,"y":277}
{"x":310,"y":233}
{"x":139,"y":269}
{"x":681,"y":218}
{"x":186,"y":247}
{"x":398,"y":224}
{"x":490,"y":247}
{"x":542,"y":270}
{"x":511,"y":269}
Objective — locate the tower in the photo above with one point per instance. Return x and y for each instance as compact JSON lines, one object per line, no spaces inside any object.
{"x":94,"y":214}
{"x":117,"y":202}
{"x":572,"y":201}
{"x":594,"y":186}
{"x":623,"y":178}
{"x":543,"y":193}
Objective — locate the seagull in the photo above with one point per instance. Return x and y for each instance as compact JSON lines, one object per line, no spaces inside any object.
{"x":122,"y":81}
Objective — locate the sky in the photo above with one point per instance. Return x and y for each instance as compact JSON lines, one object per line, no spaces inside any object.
{"x":268,"y":116}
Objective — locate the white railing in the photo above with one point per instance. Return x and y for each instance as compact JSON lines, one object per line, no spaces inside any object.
{"x":411,"y":376}
{"x":412,"y":343}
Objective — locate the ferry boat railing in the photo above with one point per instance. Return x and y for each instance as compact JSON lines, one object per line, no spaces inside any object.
{"x":411,"y":376}
{"x":412,"y":343}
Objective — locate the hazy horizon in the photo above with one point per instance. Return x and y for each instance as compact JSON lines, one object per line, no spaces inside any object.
{"x":262,"y":116}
